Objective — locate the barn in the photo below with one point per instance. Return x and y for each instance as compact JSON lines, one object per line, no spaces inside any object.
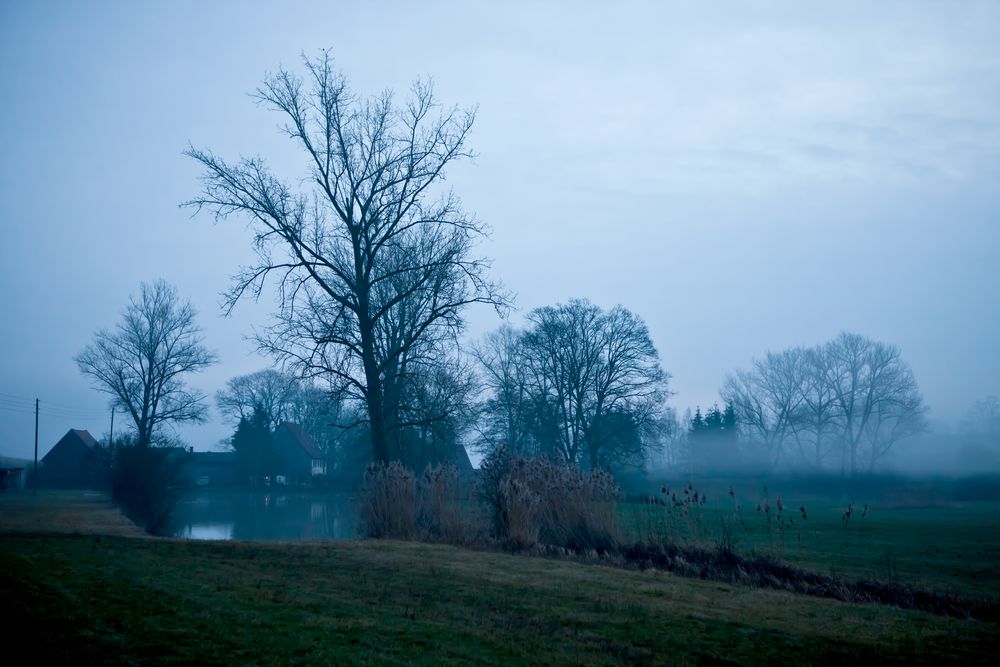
{"x":74,"y":462}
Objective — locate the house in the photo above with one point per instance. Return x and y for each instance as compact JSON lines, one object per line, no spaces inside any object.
{"x":76,"y":461}
{"x":213,"y":469}
{"x":297,"y":458}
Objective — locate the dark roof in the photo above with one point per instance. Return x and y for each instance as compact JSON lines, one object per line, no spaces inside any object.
{"x":73,"y":439}
{"x":302,"y":439}
{"x":213,"y":457}
{"x":10,"y":462}
{"x":84,"y":436}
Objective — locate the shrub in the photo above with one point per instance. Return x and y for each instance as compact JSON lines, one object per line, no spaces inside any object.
{"x":440,"y":503}
{"x":146,"y":482}
{"x":389,"y":502}
{"x":397,"y":504}
{"x":538,"y":500}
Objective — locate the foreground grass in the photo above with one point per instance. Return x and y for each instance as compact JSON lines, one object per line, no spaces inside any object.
{"x":79,"y":586}
{"x":91,"y":598}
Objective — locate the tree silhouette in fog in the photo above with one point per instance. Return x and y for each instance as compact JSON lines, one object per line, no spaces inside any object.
{"x":143,"y":361}
{"x":373,"y":260}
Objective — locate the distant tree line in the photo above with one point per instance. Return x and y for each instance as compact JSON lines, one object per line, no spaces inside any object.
{"x":842,"y":404}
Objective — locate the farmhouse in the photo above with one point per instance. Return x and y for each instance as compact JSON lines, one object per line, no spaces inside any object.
{"x":298,"y":459}
{"x":73,"y":462}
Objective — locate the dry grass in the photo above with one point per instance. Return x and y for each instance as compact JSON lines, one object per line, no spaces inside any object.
{"x":86,"y":512}
{"x":537,"y":501}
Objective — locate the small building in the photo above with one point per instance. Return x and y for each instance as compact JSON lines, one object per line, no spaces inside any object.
{"x":12,"y":473}
{"x":214,"y":469}
{"x":75,"y":461}
{"x":298,"y":459}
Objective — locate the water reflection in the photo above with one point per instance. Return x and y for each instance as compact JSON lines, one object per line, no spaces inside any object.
{"x":207,"y":531}
{"x":247,"y":515}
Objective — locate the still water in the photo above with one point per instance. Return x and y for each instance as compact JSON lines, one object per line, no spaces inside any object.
{"x":257,"y":515}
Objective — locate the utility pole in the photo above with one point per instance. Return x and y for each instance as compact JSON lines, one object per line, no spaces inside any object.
{"x":34,"y":477}
{"x":111,"y":438}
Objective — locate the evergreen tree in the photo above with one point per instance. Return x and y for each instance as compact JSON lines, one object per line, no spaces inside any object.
{"x":253,"y":446}
{"x":713,"y":438}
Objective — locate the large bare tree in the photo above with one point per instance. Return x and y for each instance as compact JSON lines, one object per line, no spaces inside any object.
{"x":142,"y":362}
{"x":581,"y":383}
{"x":372,"y":258}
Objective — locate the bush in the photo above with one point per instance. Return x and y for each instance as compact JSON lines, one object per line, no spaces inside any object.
{"x":396,"y":504}
{"x":440,"y":497}
{"x":533,"y":500}
{"x":146,"y":482}
{"x":389,"y":501}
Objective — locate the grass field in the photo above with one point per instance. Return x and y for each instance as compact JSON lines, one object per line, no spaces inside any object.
{"x":954,"y":548}
{"x":80,"y":597}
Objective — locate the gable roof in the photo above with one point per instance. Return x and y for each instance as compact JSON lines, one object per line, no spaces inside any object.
{"x":84,"y":436}
{"x":75,"y":438}
{"x":301,"y":438}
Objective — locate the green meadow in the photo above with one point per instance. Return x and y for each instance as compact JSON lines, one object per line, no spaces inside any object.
{"x":95,"y":592}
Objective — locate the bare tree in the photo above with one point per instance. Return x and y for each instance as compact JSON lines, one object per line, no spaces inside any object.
{"x":766,"y":399}
{"x":508,"y":415}
{"x":983,"y":416}
{"x":875,"y":395}
{"x":273,"y":394}
{"x":141,"y":363}
{"x":816,"y":420}
{"x":371,"y":257}
{"x":580,"y":383}
{"x":853,"y":396}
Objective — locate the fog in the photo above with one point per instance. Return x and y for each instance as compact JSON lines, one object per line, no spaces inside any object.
{"x":742,"y":179}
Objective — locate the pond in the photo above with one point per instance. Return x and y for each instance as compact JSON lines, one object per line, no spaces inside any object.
{"x":258,"y":515}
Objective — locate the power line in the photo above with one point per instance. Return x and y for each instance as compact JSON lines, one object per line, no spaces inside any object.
{"x":24,"y":398}
{"x":11,"y":401}
{"x":70,"y":408}
{"x":22,"y":411}
{"x":78,"y":412}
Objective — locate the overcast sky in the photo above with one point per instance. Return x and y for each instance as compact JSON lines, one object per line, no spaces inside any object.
{"x":746,"y":177}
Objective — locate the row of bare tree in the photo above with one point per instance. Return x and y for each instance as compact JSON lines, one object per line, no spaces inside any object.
{"x":374,"y":262}
{"x":846,"y":403}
